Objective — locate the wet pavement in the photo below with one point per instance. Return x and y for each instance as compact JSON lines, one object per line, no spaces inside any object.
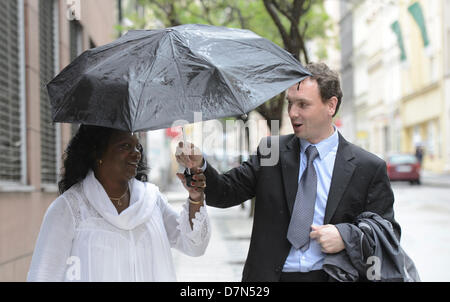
{"x":424,"y":215}
{"x":422,"y":211}
{"x":224,"y":258}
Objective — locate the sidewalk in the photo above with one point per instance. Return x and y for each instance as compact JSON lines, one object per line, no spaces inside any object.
{"x":231,"y":229}
{"x":435,"y":179}
{"x":224,"y":258}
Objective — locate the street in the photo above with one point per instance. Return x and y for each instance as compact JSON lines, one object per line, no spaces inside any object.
{"x":424,"y":215}
{"x":422,"y":211}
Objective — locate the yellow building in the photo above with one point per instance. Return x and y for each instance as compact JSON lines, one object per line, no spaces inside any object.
{"x":376,"y":77}
{"x":423,"y":104}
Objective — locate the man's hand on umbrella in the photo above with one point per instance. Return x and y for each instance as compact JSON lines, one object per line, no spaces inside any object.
{"x":189,"y":155}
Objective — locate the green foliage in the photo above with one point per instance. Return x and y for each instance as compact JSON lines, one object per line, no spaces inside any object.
{"x":317,"y":19}
{"x":248,"y":14}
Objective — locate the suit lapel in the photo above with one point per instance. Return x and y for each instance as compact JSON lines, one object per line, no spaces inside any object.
{"x":290,"y":165}
{"x":342,"y":173}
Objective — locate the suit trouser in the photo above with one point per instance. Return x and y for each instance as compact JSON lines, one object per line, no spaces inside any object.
{"x":312,"y":276}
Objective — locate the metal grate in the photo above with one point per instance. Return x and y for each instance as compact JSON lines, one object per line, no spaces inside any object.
{"x":10,"y":125}
{"x":47,"y":63}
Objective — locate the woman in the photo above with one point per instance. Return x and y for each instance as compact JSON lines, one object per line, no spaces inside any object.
{"x":107,"y":224}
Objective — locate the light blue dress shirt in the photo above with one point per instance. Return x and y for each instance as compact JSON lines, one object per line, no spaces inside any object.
{"x":312,"y":258}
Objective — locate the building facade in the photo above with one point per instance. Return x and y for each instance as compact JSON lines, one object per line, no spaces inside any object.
{"x":376,"y":81}
{"x":423,"y":99}
{"x":400,"y":77}
{"x":347,"y":110}
{"x":446,"y":47}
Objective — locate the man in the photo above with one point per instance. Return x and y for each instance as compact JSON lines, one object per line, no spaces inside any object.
{"x":309,"y":194}
{"x":419,"y":154}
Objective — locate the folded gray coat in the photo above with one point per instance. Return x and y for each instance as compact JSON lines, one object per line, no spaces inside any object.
{"x":372,"y":253}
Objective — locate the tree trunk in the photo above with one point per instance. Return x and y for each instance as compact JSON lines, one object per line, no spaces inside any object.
{"x":293,"y":42}
{"x":273,"y":111}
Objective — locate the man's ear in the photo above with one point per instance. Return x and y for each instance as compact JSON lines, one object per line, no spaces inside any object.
{"x":332,"y":104}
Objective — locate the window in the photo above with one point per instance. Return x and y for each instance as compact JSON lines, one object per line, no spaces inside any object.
{"x":47,"y":57}
{"x":416,"y":11}
{"x":431,"y":138}
{"x":395,"y":26}
{"x":387,"y":139}
{"x":10,"y":100}
{"x":76,"y":39}
{"x":447,"y":32}
{"x":434,"y":75}
{"x":92,"y":44}
{"x":448,"y":51}
{"x":402,"y":159}
{"x":76,"y":48}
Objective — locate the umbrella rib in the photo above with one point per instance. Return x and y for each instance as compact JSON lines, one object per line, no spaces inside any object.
{"x":229,"y":82}
{"x":264,"y":49}
{"x":118,"y":44}
{"x":226,"y":79}
{"x":176,"y":65}
{"x":92,"y":67}
{"x":153,"y":62}
{"x":142,"y":91}
{"x":110,"y":58}
{"x":236,"y":102}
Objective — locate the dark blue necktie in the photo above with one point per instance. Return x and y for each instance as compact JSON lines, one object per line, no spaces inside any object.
{"x":305,"y":200}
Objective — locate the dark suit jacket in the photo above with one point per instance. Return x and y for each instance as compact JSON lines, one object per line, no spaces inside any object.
{"x":359,"y":183}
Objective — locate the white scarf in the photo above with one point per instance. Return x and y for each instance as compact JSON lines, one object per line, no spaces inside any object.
{"x":143,"y":198}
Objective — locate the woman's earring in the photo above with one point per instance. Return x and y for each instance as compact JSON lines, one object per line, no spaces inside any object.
{"x":100,"y":162}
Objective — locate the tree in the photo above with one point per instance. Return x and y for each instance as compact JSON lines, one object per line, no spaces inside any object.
{"x":294,"y":23}
{"x":291,"y":32}
{"x":292,"y":19}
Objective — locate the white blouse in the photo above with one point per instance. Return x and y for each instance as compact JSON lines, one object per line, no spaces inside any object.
{"x":83,"y":238}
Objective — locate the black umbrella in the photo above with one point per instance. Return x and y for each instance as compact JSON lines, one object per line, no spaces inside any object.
{"x":147,"y":79}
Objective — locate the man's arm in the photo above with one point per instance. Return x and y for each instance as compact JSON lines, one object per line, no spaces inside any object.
{"x":233,"y":187}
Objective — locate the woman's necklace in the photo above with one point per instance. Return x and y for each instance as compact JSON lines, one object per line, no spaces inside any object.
{"x":118,"y":200}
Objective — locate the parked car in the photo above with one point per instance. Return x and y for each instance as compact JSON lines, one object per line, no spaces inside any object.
{"x":404,"y":167}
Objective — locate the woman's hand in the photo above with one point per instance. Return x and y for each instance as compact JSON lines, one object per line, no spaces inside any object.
{"x":198,"y":184}
{"x":196,"y":194}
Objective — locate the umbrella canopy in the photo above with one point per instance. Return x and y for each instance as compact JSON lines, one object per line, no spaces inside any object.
{"x":147,"y":79}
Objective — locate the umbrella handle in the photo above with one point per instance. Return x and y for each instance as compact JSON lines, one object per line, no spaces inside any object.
{"x":184,"y":135}
{"x":188,"y":177}
{"x":187,"y":171}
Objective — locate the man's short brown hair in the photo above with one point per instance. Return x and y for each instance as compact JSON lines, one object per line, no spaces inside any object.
{"x":328,"y":82}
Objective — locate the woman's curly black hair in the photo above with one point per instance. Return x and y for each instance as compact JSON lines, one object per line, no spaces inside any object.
{"x":84,"y":149}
